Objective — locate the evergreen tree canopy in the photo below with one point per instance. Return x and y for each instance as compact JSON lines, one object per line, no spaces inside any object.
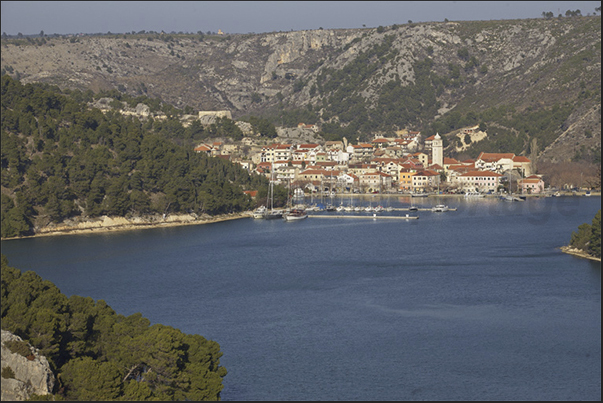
{"x":101,"y":355}
{"x":66,"y":159}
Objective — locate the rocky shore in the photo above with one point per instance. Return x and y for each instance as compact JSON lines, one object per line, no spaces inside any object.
{"x":578,"y":252}
{"x":111,"y":224}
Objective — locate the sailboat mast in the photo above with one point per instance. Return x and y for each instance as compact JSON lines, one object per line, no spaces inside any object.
{"x":272,"y":186}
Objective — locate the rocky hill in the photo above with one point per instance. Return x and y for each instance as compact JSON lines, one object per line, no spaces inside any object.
{"x":24,"y":376}
{"x":500,"y":73}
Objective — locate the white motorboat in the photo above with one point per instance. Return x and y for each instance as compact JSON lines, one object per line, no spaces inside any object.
{"x":439,"y":208}
{"x":260,"y":212}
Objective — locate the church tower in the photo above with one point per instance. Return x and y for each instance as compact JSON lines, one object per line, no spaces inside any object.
{"x":437,"y":151}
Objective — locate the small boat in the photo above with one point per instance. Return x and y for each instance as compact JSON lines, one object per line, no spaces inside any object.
{"x":413,"y":208}
{"x":419,"y":195}
{"x":295,"y":215}
{"x":439,"y":208}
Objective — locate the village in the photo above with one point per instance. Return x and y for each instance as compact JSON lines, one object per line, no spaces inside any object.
{"x":407,"y":163}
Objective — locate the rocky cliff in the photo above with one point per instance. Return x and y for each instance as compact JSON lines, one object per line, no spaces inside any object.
{"x":27,"y":375}
{"x":523,"y":65}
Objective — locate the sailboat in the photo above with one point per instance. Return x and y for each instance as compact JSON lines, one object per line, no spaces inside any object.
{"x":272,"y":214}
{"x":350,"y":206}
{"x":510,"y":196}
{"x":412,"y":206}
{"x":294,"y":214}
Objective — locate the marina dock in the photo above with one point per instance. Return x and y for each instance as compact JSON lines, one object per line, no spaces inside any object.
{"x":374,"y":217}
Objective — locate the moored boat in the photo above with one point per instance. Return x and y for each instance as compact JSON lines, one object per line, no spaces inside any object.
{"x":439,"y":208}
{"x":295,"y":215}
{"x":260,"y":212}
{"x":273,"y":214}
{"x":474,"y":194}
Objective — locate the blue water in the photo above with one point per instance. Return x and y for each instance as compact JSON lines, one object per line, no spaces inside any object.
{"x":473,"y":304}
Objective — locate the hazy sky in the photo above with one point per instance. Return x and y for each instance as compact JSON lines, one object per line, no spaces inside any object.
{"x":64,"y":17}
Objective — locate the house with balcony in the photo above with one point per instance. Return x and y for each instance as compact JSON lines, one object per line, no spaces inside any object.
{"x":286,"y":173}
{"x":283,"y":152}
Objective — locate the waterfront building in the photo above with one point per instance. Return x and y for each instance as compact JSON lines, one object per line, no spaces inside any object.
{"x":478,"y":181}
{"x":531,"y":185}
{"x":425,"y":180}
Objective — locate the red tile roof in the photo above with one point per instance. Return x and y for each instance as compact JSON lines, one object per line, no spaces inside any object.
{"x":521,"y":158}
{"x":495,"y":156}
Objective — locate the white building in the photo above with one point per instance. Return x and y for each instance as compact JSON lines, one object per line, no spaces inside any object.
{"x":437,"y":151}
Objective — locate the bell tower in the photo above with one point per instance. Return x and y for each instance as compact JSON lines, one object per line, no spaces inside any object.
{"x":437,"y":151}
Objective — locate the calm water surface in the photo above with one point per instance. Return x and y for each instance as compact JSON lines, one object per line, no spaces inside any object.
{"x":475,"y":304}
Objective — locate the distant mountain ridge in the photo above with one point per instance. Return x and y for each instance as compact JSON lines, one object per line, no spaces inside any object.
{"x":359,"y":82}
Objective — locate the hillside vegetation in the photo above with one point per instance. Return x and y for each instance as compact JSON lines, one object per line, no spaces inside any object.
{"x":534,"y":84}
{"x":588,"y":237}
{"x":62,"y":159}
{"x":98,"y":354}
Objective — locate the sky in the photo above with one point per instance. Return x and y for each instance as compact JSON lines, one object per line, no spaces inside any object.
{"x":241,"y":17}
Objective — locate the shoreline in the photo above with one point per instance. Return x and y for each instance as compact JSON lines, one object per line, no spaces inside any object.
{"x":107,"y":224}
{"x":578,"y":253}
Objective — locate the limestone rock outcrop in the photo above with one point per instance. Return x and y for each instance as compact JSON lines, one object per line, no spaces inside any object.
{"x":32,"y":374}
